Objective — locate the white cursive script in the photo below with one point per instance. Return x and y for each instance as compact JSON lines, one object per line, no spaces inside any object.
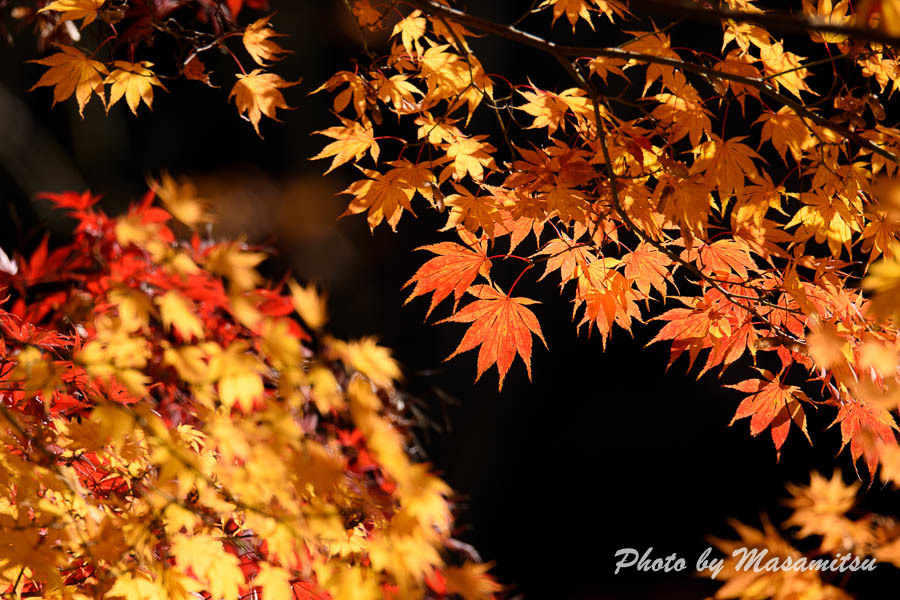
{"x":748,"y":559}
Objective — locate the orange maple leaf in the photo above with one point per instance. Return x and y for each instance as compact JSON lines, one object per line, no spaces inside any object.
{"x":647,"y":267}
{"x":501,"y":325}
{"x":257,"y":94}
{"x":771,"y":403}
{"x":453,"y":270}
{"x":867,"y":427}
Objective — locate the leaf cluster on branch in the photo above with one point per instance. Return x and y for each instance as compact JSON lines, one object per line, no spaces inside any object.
{"x":173,"y":426}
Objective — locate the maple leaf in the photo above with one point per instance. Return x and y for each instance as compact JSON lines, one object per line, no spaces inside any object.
{"x":607,"y":297}
{"x":352,"y":141}
{"x":549,"y":110}
{"x":275,"y":583}
{"x":684,"y":110}
{"x":739,"y":64}
{"x":784,"y":68}
{"x":657,"y":44}
{"x":136,"y":587}
{"x":383,"y":195}
{"x":309,"y":303}
{"x":472,"y":212}
{"x":259,"y":46}
{"x":258,"y":93}
{"x":134,"y":81}
{"x":175,"y":310}
{"x":647,"y":267}
{"x":232,"y":261}
{"x":370,"y":359}
{"x":726,"y":164}
{"x":453,"y":270}
{"x":195,"y":70}
{"x":884,"y":281}
{"x":568,"y":204}
{"x":573,"y":9}
{"x":469,"y":156}
{"x":723,"y":257}
{"x":72,"y":72}
{"x":828,"y":12}
{"x":471,"y":581}
{"x":181,"y":199}
{"x":819,"y":509}
{"x":501,"y":325}
{"x":76,"y":9}
{"x":865,"y":426}
{"x":771,"y":403}
{"x":411,"y":29}
{"x":786,"y":131}
{"x":567,"y":256}
{"x":745,"y":583}
{"x":744,"y":34}
{"x":209,"y":561}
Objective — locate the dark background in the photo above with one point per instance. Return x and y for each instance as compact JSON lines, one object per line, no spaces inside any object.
{"x":603,"y":450}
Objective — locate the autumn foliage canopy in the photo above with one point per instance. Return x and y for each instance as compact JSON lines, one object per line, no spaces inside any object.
{"x":166,"y":404}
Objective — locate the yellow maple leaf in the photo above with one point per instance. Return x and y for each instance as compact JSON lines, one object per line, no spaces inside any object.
{"x":37,"y":374}
{"x":181,"y":199}
{"x":472,"y":212}
{"x":136,"y":587}
{"x":135,"y":82}
{"x":279,"y":345}
{"x":411,"y":29}
{"x":352,"y":141}
{"x":784,"y":68}
{"x":75,"y":9}
{"x":209,"y":561}
{"x":580,"y":9}
{"x":238,"y":374}
{"x":726,"y":163}
{"x":884,"y":281}
{"x":683,"y":109}
{"x":275,"y":582}
{"x":548,"y":109}
{"x":831,"y":13}
{"x":370,"y":359}
{"x":134,"y":307}
{"x":71,"y":71}
{"x":326,"y":392}
{"x":238,"y":266}
{"x":787,"y":131}
{"x":384,"y":195}
{"x":257,"y":42}
{"x":309,"y":304}
{"x":257,"y":93}
{"x":470,"y":156}
{"x":176,"y":310}
{"x":471,"y":581}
